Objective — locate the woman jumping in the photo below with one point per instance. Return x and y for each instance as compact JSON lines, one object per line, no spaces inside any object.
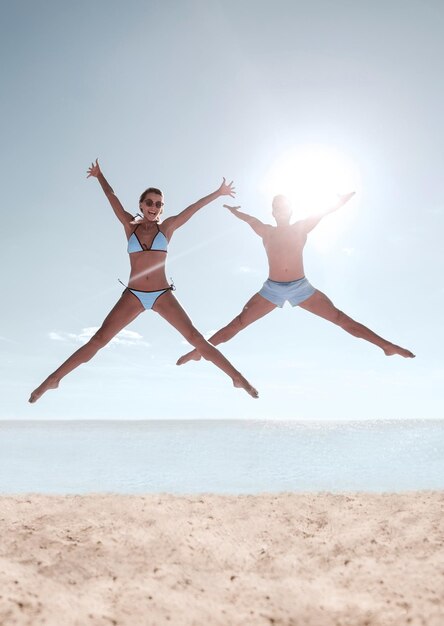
{"x":148,"y":287}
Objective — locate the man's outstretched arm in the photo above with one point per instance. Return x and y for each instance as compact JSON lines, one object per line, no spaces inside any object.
{"x":314,"y":220}
{"x":259,"y":227}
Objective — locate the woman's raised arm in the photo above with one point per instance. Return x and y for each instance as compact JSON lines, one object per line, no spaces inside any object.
{"x":176,"y":221}
{"x":122,"y":215}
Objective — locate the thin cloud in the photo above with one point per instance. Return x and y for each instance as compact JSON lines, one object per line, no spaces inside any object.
{"x":348,"y":251}
{"x":124,"y":337}
{"x":245,"y":269}
{"x":6,"y":339}
{"x":55,"y":336}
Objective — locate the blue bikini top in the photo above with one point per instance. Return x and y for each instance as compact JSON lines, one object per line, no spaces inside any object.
{"x":159,"y":243}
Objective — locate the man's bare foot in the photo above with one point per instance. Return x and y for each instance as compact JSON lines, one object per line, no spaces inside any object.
{"x":49,"y":383}
{"x":194,"y":355}
{"x":391,"y":349}
{"x":243,"y":383}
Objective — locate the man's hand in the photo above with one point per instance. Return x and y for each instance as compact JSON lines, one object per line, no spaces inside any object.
{"x":343,"y":198}
{"x":233,"y":209}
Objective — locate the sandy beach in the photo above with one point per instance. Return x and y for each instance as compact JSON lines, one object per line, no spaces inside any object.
{"x":288,"y":559}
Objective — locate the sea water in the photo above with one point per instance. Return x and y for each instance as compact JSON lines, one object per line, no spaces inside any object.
{"x":226,"y":457}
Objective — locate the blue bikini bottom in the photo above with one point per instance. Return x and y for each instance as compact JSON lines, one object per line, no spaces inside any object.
{"x":148,"y":298}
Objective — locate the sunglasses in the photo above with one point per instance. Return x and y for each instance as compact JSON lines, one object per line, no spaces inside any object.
{"x":158,"y":204}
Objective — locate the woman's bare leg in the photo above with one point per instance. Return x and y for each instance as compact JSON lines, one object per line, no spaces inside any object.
{"x":169,"y":308}
{"x":255,"y":308}
{"x":124,"y":312}
{"x":320,"y":305}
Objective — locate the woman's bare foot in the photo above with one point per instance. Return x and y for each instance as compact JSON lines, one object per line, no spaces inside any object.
{"x":391,"y":349}
{"x":49,"y":383}
{"x":194,"y":355}
{"x":243,"y":383}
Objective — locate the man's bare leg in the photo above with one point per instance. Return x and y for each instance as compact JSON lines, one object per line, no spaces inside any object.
{"x":320,"y":305}
{"x":124,"y":312}
{"x":255,"y":308}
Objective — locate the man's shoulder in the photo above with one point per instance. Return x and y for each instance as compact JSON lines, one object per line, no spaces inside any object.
{"x":298,"y":224}
{"x":267,"y":229}
{"x":300,"y":227}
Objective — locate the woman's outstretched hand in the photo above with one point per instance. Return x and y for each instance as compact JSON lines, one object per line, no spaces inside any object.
{"x":226,"y":190}
{"x":94,"y":170}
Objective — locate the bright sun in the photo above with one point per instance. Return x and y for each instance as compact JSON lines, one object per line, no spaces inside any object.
{"x":312,"y":176}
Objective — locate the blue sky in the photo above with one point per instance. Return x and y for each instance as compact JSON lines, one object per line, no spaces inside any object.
{"x":177,"y":95}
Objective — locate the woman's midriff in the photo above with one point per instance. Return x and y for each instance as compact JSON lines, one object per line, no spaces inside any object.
{"x":148,"y":271}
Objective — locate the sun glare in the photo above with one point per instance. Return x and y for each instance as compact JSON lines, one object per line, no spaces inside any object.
{"x":312,"y":176}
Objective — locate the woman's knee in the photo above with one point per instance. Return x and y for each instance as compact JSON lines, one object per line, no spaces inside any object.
{"x":194,"y":337}
{"x":99,"y":340}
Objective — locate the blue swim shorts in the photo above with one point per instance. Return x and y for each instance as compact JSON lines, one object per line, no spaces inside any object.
{"x":295,"y":291}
